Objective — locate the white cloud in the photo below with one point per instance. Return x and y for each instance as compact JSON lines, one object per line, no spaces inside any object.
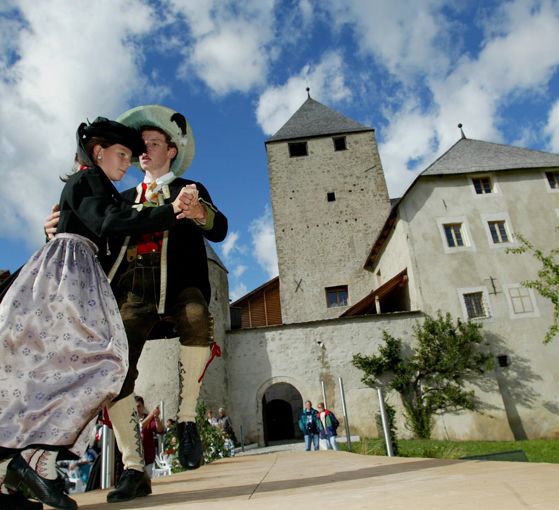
{"x":230,"y":59}
{"x":234,"y":253}
{"x":552,"y":127}
{"x":509,"y":66}
{"x":264,"y":243}
{"x":232,"y":42}
{"x":306,"y":10}
{"x":70,"y":60}
{"x":406,"y":36}
{"x":327,"y":84}
{"x":412,"y":130}
{"x":238,"y":292}
{"x":229,"y":244}
{"x":514,"y":59}
{"x":239,"y":270}
{"x":472,"y":89}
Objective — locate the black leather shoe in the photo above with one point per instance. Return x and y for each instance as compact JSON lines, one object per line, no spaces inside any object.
{"x":131,"y":484}
{"x":17,"y":501}
{"x":8,"y":453}
{"x":190,"y":445}
{"x":49,"y":492}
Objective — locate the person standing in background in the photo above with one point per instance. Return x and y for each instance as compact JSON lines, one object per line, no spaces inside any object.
{"x":327,"y":424}
{"x":307,"y":424}
{"x":150,"y":425}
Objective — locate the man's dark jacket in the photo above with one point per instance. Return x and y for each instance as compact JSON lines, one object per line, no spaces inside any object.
{"x":187,"y":262}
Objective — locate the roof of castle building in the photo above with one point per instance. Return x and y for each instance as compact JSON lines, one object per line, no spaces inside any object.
{"x":466,"y":157}
{"x":469,"y":156}
{"x":314,"y":119}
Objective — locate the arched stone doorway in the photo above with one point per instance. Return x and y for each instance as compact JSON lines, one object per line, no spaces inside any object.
{"x":281,"y":404}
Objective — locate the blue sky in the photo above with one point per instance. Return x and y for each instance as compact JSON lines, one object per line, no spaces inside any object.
{"x":412,"y":69}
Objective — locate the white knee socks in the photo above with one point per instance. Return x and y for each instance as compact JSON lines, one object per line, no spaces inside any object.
{"x":43,"y":462}
{"x":3,"y":470}
{"x":193,"y":360}
{"x":126,"y":428}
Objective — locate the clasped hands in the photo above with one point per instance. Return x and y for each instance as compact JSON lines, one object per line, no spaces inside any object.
{"x":187,"y":205}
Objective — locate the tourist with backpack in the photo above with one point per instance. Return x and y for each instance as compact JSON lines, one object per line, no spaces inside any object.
{"x":327,"y":424}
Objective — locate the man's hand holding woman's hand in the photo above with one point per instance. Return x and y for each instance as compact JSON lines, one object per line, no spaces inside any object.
{"x":187,"y":205}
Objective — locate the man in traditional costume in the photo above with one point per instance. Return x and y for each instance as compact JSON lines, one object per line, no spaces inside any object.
{"x":164,"y":277}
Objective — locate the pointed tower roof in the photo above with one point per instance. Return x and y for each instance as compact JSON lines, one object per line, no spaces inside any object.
{"x":314,"y":119}
{"x":212,"y":255}
{"x":469,"y":156}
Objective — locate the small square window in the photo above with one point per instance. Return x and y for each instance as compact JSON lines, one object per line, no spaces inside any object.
{"x":553,"y":179}
{"x":503,"y":360}
{"x":454,"y":234}
{"x":297,"y":149}
{"x":521,"y":300}
{"x":331,"y":196}
{"x":482,"y":185}
{"x":475,"y":307}
{"x":498,"y":228}
{"x":339,"y":143}
{"x":498,"y":231}
{"x":336,"y":296}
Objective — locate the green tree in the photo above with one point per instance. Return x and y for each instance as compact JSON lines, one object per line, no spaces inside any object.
{"x":547,"y":282}
{"x":429,"y":376}
{"x":212,"y":437}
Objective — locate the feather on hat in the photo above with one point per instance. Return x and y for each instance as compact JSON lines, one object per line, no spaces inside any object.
{"x":171,"y":122}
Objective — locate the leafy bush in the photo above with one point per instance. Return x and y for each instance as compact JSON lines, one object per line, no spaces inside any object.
{"x":430,"y":375}
{"x":212,"y":438}
{"x":547,"y":281}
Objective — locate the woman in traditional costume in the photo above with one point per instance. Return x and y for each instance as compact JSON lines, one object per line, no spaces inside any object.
{"x":63,"y":351}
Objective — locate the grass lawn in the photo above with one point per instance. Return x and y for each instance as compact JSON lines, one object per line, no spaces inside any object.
{"x":537,"y":450}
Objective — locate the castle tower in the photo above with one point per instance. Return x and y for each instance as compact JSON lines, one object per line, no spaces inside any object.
{"x":329,"y":202}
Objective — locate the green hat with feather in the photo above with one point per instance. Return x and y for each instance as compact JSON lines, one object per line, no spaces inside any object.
{"x":171,"y":122}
